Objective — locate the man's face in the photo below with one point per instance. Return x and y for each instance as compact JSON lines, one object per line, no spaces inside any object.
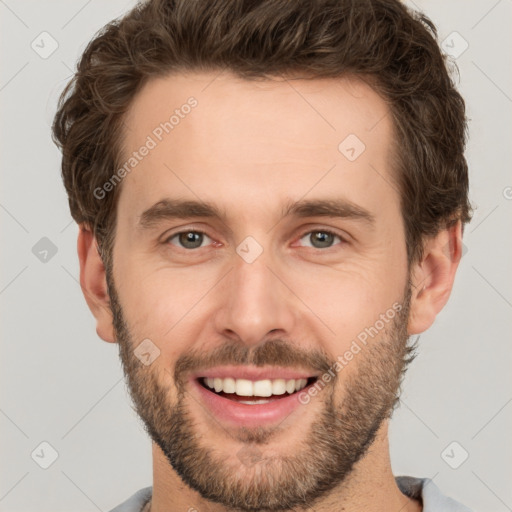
{"x":260,"y":296}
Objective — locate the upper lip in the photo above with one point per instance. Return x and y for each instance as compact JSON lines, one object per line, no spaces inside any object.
{"x":254,"y":373}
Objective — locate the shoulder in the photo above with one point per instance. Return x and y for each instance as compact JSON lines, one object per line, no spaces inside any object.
{"x":135,"y":502}
{"x":426,"y":490}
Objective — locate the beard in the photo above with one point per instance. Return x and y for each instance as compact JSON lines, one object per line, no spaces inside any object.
{"x":325,"y":454}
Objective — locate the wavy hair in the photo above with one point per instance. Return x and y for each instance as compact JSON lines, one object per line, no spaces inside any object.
{"x":393,"y":48}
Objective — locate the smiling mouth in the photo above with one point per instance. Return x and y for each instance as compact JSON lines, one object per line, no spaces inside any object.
{"x":255,"y":392}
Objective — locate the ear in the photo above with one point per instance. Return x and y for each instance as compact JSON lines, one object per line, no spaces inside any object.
{"x":94,"y":284}
{"x":432,"y":278}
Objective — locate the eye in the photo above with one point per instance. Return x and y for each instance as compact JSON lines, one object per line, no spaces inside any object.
{"x":193,"y":238}
{"x":321,"y":238}
{"x":190,"y":239}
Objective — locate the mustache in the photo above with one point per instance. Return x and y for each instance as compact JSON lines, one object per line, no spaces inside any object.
{"x":272,"y":353}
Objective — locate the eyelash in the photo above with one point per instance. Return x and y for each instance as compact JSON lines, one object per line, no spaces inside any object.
{"x":199,"y":231}
{"x":327,"y":232}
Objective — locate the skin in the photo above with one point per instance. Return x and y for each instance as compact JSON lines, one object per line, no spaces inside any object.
{"x":249,"y":147}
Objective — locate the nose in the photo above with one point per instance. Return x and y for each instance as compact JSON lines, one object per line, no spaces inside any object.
{"x":255,"y":301}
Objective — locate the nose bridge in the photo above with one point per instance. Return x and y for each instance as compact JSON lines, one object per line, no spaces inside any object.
{"x":254,"y":300}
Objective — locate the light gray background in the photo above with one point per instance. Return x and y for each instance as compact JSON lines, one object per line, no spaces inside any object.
{"x":61,"y":384}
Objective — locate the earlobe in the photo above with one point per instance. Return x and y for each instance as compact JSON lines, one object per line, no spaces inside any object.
{"x":93,"y":283}
{"x":432,"y":278}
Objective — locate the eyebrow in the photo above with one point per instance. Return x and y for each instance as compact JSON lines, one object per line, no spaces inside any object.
{"x":168,"y":209}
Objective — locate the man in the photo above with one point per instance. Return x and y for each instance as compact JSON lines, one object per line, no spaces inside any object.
{"x":271,"y":198}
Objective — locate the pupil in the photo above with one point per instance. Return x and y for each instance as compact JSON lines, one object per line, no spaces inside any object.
{"x":323,"y":238}
{"x":190,"y":237}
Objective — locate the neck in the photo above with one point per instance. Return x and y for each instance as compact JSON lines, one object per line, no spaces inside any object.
{"x":371,"y":486}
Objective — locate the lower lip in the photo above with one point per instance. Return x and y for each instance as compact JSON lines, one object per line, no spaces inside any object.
{"x":236,"y":413}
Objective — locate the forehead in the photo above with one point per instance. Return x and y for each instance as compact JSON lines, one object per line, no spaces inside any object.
{"x":250,"y":142}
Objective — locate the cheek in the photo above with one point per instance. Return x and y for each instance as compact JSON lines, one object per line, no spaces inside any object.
{"x":351,"y":294}
{"x":357,"y":305}
{"x":162,"y":306}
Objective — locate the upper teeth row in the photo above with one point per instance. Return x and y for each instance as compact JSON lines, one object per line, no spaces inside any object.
{"x":244,"y":387}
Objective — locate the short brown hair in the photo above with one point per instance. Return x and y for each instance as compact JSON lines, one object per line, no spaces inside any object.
{"x":381,"y":41}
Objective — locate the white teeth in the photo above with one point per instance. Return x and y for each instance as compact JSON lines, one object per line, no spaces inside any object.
{"x":300,"y":384}
{"x":228,"y":385}
{"x":290,"y":386}
{"x":253,"y":402}
{"x":279,"y":387}
{"x":263,"y":388}
{"x":217,"y":384}
{"x":243,"y":387}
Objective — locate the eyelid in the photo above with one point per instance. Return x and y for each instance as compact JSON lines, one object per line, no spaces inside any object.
{"x":318,"y":229}
{"x":167,"y":237}
{"x":325,"y":229}
{"x":182,"y":229}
